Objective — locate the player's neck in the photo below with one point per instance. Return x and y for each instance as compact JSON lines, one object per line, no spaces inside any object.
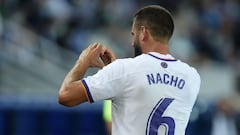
{"x":159,"y":47}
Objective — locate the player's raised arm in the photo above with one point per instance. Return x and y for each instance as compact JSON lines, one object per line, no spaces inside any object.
{"x":72,"y":91}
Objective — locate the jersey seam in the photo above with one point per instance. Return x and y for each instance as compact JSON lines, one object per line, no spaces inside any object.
{"x":169,"y":60}
{"x":87,"y":91}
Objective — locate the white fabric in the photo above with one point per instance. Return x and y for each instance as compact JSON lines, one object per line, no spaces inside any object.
{"x":137,"y":85}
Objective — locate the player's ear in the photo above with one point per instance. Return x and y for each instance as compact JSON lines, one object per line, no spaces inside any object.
{"x":143,"y":33}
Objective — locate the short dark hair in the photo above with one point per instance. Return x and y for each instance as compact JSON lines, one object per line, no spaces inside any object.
{"x":157,"y":19}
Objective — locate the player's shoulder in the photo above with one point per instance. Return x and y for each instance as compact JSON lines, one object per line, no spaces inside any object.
{"x":185,"y":67}
{"x":130,"y":61}
{"x":119,"y":64}
{"x":126,"y":64}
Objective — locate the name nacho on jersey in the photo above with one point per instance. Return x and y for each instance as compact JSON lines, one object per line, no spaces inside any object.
{"x":167,"y":79}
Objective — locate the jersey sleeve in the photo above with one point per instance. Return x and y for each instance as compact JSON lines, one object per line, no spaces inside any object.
{"x":105,"y":84}
{"x":196,"y":80}
{"x":195,"y":84}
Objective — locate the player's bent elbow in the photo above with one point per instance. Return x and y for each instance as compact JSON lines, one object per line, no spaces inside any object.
{"x":71,"y":95}
{"x":65,"y":100}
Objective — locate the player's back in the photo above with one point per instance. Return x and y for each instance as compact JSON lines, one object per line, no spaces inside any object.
{"x":159,"y":93}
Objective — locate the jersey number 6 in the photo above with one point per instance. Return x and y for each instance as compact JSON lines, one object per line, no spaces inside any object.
{"x":156,"y":119}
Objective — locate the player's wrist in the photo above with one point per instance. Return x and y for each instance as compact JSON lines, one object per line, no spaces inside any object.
{"x":83,"y":62}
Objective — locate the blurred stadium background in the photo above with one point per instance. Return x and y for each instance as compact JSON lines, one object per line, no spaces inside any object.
{"x":41,"y":39}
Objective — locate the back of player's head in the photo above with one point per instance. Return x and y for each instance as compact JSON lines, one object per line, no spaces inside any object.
{"x":157,"y":19}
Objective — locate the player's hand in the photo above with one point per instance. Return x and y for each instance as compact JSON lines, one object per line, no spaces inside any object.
{"x":107,"y":56}
{"x":96,"y":55}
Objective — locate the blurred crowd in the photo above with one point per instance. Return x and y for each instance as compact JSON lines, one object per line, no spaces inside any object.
{"x":210,"y":28}
{"x":206,"y":35}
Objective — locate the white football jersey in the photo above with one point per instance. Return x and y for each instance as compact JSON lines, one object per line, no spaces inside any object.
{"x":152,"y":94}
